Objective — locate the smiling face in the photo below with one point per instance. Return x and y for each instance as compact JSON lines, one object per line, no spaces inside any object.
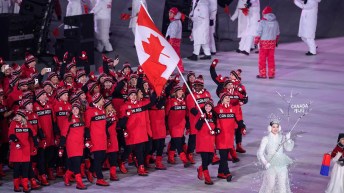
{"x":275,"y":129}
{"x":75,"y":111}
{"x":208,"y":108}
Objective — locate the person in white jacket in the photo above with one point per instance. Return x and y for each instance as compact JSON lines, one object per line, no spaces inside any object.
{"x":73,"y":8}
{"x":271,"y":155}
{"x":135,"y":8}
{"x":336,"y":184}
{"x":200,"y":17}
{"x":102,"y":21}
{"x":308,"y":23}
{"x":248,"y":32}
{"x":212,"y":28}
{"x":5,"y":6}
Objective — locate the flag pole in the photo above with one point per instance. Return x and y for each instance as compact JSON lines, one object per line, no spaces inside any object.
{"x":193,"y":97}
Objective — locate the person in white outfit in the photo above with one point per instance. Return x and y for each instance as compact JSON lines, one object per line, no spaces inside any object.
{"x":5,"y":6}
{"x":336,"y":184}
{"x":308,"y":23}
{"x":102,"y":21}
{"x":200,"y":17}
{"x":212,"y":28}
{"x":271,"y":155}
{"x":248,"y":32}
{"x":73,"y":8}
{"x":135,"y":8}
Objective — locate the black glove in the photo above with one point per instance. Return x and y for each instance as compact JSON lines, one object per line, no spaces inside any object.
{"x":211,"y":23}
{"x":241,"y":124}
{"x":108,"y":123}
{"x":276,"y":44}
{"x":168,"y":38}
{"x":62,"y":141}
{"x":194,"y":111}
{"x":130,"y":8}
{"x":217,"y":131}
{"x":187,"y":123}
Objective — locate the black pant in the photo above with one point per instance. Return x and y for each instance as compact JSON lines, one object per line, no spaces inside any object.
{"x":223,"y":167}
{"x":21,"y":169}
{"x":33,"y":160}
{"x":97,"y":163}
{"x":191,"y":144}
{"x":138,"y":152}
{"x":177,"y":143}
{"x":238,"y":136}
{"x":121,"y":139}
{"x":74,"y":164}
{"x":207,"y":158}
{"x":158,"y":146}
{"x":45,"y":157}
{"x":112,"y":156}
{"x":148,"y":146}
{"x":4,"y":148}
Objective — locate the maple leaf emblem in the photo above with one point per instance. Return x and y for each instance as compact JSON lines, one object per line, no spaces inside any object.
{"x":154,"y":49}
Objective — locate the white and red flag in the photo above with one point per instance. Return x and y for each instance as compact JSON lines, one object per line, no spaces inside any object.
{"x":156,"y":56}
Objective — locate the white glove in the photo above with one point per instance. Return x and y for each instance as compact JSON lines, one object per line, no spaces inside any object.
{"x":267,"y":166}
{"x":287,"y":136}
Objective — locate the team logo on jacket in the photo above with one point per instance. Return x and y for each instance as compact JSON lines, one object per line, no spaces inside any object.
{"x":226,"y":115}
{"x":96,"y":113}
{"x":60,"y":108}
{"x":74,"y":120}
{"x":221,"y":110}
{"x":175,"y":103}
{"x":22,"y":130}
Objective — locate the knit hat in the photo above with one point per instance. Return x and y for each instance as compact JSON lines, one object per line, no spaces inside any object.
{"x":91,"y":86}
{"x":191,"y":73}
{"x":174,"y":10}
{"x":131,"y":91}
{"x":199,"y":80}
{"x":14,"y":80}
{"x":107,"y":103}
{"x":29,"y":58}
{"x":22,"y":82}
{"x":25,"y":102}
{"x":176,"y":88}
{"x":16,"y":69}
{"x":209,"y":102}
{"x":102,"y":75}
{"x":126,"y":65}
{"x":223,"y":95}
{"x":340,"y":136}
{"x":235,"y":74}
{"x":27,"y":95}
{"x":80,"y":73}
{"x":227,"y":81}
{"x":21,"y":113}
{"x":79,"y":93}
{"x":39,"y":92}
{"x":76,"y":104}
{"x":61,"y":92}
{"x":108,"y":79}
{"x":96,"y":98}
{"x":71,"y":64}
{"x":51,"y":75}
{"x":73,"y":98}
{"x":48,"y":83}
{"x":134,"y":76}
{"x":267,"y":10}
{"x":66,"y":75}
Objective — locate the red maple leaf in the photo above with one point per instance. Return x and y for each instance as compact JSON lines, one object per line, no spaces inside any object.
{"x":152,"y":67}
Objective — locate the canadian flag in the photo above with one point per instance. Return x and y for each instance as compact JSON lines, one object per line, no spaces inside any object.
{"x":156,"y":56}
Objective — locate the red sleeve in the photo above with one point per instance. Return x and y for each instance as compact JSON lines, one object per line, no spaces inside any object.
{"x":238,"y":115}
{"x":335,"y":151}
{"x":64,"y":128}
{"x":123,"y":111}
{"x":190,"y":103}
{"x":88,"y":118}
{"x":53,"y":111}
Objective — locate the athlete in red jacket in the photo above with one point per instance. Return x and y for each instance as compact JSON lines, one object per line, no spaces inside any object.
{"x":205,"y":140}
{"x":32,"y":118}
{"x":133,"y":121}
{"x":202,"y":96}
{"x":176,"y":122}
{"x":46,"y":150}
{"x":112,"y":142}
{"x":95,"y":123}
{"x":227,"y":119}
{"x":20,"y":134}
{"x":72,"y":138}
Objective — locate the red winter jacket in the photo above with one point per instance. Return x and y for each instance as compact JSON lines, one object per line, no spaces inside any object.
{"x":27,"y":71}
{"x":46,"y":117}
{"x":22,"y":133}
{"x":32,"y":118}
{"x":62,"y":110}
{"x":14,"y":98}
{"x":157,"y":123}
{"x":112,"y":133}
{"x":205,"y":142}
{"x":201,"y":98}
{"x":73,"y":131}
{"x":95,"y":121}
{"x":136,"y":123}
{"x":176,"y":113}
{"x":227,"y":116}
{"x":336,"y":150}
